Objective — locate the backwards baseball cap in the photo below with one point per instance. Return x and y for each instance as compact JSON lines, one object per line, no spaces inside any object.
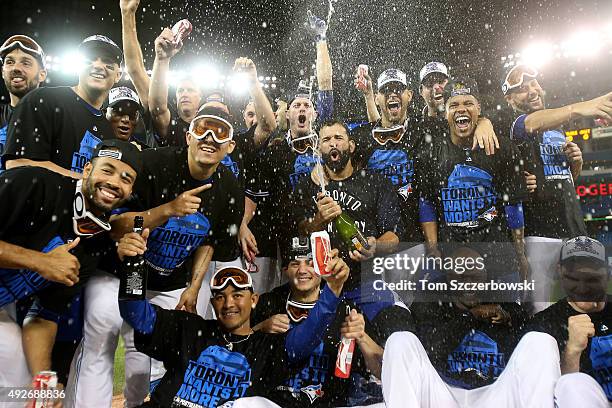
{"x":25,"y":44}
{"x":583,"y":247}
{"x":123,"y":94}
{"x":99,"y":41}
{"x":391,"y":75}
{"x":466,"y":86}
{"x":119,"y":150}
{"x":432,"y":67}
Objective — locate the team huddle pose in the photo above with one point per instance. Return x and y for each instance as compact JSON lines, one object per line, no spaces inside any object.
{"x":255,"y":247}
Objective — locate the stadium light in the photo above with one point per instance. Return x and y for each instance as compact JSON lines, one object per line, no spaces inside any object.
{"x":537,"y":54}
{"x":206,"y":75}
{"x":71,"y":63}
{"x":582,"y":44}
{"x":238,"y":83}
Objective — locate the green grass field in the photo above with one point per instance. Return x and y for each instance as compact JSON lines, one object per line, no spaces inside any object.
{"x":119,"y":378}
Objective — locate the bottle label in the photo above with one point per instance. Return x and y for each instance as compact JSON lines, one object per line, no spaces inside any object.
{"x":357,"y":243}
{"x":134,"y":283}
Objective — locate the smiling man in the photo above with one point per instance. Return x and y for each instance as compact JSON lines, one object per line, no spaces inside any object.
{"x":58,"y":128}
{"x":434,"y":77}
{"x":464,"y":191}
{"x":51,"y":239}
{"x":23,"y":70}
{"x":123,"y":112}
{"x":553,"y":212}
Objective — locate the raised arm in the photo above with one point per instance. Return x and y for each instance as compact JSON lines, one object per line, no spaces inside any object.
{"x":134,"y":61}
{"x":165,"y":49}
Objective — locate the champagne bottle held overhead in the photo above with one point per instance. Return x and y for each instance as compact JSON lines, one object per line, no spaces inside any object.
{"x":133,"y":273}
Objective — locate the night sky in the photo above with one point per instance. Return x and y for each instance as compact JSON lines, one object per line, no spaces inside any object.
{"x":470,"y":36}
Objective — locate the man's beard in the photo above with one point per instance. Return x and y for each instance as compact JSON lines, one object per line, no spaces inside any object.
{"x":338,"y":165}
{"x":89,"y":190}
{"x":21,"y":92}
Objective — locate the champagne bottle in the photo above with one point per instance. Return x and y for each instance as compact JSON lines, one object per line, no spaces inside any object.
{"x":349,"y":233}
{"x":133,"y":282}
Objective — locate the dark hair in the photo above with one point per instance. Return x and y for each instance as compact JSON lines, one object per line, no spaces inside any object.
{"x":215,"y":111}
{"x":336,"y":121}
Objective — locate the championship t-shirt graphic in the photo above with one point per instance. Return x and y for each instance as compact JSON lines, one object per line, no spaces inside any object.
{"x":304,"y":163}
{"x":555,"y":162}
{"x":469,"y":198}
{"x":477,"y":353}
{"x":85,"y":153}
{"x":171,"y":244}
{"x":601,"y":359}
{"x":396,"y":166}
{"x":217,"y":376}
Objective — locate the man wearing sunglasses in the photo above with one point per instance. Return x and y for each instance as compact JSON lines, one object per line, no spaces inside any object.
{"x":211,"y":362}
{"x":52,"y":238}
{"x":468,"y":196}
{"x":553,"y":212}
{"x":287,"y":306}
{"x":58,"y":128}
{"x":23,"y":70}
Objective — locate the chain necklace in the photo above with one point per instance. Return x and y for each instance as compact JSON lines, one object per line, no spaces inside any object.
{"x":230,"y":344}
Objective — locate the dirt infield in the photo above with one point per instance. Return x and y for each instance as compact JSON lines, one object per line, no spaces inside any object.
{"x":118,"y":401}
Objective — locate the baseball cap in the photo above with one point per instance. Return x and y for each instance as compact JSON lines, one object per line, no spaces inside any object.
{"x":391,"y":75}
{"x":119,"y":150}
{"x":298,"y":249}
{"x":585,"y":248}
{"x":24,"y":43}
{"x":461,"y":86}
{"x":432,"y":67}
{"x":100,"y":41}
{"x":123,"y":94}
{"x":215,"y":95}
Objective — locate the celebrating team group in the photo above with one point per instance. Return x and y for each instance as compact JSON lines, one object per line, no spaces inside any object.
{"x":237,"y":309}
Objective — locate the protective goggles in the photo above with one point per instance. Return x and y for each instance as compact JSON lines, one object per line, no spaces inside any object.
{"x":237,"y":277}
{"x":25,"y":43}
{"x":509,"y":85}
{"x":301,"y":144}
{"x":298,"y":311}
{"x":220,"y":129}
{"x":89,"y":225}
{"x":384,"y":135}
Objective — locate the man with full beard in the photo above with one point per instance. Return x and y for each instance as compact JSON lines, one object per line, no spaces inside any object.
{"x":23,"y":69}
{"x":553,"y":213}
{"x":53,"y":234}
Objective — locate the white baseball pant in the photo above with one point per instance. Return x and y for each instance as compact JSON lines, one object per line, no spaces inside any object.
{"x":580,"y":390}
{"x":543,"y":256}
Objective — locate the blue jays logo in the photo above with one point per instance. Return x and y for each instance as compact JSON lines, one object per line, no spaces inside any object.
{"x":171,"y":244}
{"x":405,"y":191}
{"x":489,"y":215}
{"x":217,"y":376}
{"x":313,"y":392}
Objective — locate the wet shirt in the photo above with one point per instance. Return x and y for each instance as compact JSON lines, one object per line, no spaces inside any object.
{"x":395,"y":161}
{"x":36,"y":213}
{"x":313,"y":383}
{"x":5,"y":114}
{"x":55,"y":124}
{"x":200,"y":370}
{"x":467,"y":352}
{"x":596,"y":359}
{"x":470,"y":189}
{"x":553,"y":210}
{"x":165,"y":176}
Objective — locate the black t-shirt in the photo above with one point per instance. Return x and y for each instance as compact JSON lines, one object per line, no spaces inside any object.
{"x":164,"y":177}
{"x":368,"y":198}
{"x":470,"y":189}
{"x":314,"y":383}
{"x":177,"y":130}
{"x":200,"y":370}
{"x":36,"y":213}
{"x":6,"y":111}
{"x":553,"y":210}
{"x":55,"y":124}
{"x":467,"y":352}
{"x":395,"y":161}
{"x":596,"y":359}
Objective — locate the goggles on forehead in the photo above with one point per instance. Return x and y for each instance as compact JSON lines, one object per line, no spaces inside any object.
{"x":384,"y":135}
{"x":218,"y":128}
{"x":239,"y":278}
{"x":25,"y":43}
{"x":528,"y":72}
{"x":298,"y":311}
{"x":302,"y":144}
